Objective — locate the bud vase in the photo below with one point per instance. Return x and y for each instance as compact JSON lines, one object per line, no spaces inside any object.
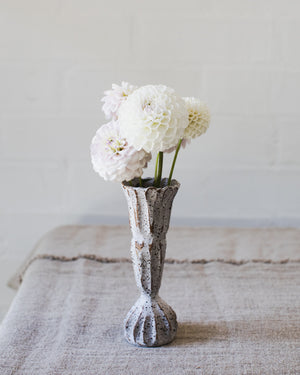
{"x":151,"y":321}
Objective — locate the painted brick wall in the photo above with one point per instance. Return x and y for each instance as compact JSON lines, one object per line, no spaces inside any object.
{"x":58,"y":56}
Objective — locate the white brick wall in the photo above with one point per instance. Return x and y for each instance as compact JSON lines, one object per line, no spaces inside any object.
{"x":56,"y":59}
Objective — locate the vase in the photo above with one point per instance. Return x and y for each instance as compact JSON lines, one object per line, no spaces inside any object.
{"x":151,"y":321}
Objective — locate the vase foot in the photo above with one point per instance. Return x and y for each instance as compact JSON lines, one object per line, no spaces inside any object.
{"x":150,"y":322}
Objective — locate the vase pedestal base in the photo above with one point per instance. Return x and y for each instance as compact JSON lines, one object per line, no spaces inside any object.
{"x":150,"y":322}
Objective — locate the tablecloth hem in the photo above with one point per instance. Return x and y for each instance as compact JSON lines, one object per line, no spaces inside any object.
{"x":15,"y":281}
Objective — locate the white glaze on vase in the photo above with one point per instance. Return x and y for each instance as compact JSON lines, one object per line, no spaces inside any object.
{"x":150,"y":321}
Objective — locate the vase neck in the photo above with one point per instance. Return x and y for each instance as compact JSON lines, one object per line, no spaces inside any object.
{"x":149,"y":210}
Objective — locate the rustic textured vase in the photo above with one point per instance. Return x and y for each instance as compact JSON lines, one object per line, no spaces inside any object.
{"x":150,"y":321}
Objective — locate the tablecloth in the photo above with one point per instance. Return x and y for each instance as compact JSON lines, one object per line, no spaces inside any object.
{"x":235,"y":292}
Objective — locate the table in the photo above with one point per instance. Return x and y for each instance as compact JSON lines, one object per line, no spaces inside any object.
{"x":235,"y":292}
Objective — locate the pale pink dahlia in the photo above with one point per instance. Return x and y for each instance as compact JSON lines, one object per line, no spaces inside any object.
{"x":114,"y":98}
{"x":113,"y":158}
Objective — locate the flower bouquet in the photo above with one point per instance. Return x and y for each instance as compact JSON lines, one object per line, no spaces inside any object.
{"x":145,"y":121}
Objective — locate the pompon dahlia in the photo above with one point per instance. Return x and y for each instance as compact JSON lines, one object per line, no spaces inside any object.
{"x":153,"y":118}
{"x":114,"y":98}
{"x":113,"y":158}
{"x":199,"y":118}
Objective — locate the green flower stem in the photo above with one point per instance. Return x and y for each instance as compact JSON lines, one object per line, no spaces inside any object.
{"x":156,"y":169}
{"x":160,"y":167}
{"x":130,"y":183}
{"x":141,"y":182}
{"x":174,"y":161}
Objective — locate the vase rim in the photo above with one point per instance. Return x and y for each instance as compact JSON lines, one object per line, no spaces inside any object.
{"x":148,"y":181}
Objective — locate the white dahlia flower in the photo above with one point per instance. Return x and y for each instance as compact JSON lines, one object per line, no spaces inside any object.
{"x":153,"y":118}
{"x":113,"y":158}
{"x":114,"y":98}
{"x":199,"y":118}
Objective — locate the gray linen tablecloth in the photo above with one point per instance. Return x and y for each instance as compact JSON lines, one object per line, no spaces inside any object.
{"x":236,"y":294}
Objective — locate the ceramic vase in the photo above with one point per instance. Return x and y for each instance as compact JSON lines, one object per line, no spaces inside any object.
{"x":151,"y":321}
